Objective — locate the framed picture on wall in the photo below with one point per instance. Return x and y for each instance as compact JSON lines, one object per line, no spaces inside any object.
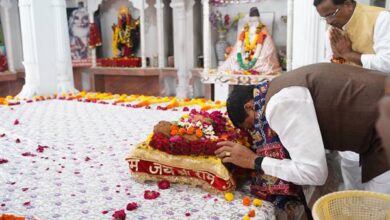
{"x":78,"y":23}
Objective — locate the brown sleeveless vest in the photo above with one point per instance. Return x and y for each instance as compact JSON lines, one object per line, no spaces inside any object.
{"x":345,"y":99}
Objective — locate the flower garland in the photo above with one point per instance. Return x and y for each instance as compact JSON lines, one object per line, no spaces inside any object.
{"x":141,"y":101}
{"x":206,"y":130}
{"x":252,"y":49}
{"x":11,"y":217}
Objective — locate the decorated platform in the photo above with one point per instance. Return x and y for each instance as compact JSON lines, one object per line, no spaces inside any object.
{"x":63,"y":157}
{"x":213,"y":76}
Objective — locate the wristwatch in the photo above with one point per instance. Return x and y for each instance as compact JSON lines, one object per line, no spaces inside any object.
{"x":258,"y":162}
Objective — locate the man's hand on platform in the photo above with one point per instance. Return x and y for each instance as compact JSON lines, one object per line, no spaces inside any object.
{"x":236,"y":154}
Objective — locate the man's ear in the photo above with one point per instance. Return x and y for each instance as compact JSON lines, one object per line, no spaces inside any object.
{"x":250,"y":105}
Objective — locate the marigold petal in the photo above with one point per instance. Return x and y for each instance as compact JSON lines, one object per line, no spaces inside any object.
{"x":246,"y":201}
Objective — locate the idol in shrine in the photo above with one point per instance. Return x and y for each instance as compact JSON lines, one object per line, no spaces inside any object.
{"x":126,"y":34}
{"x":255,"y":51}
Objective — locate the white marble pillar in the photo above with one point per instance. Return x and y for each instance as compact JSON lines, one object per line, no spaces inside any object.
{"x":206,"y":36}
{"x":93,"y":6}
{"x":160,"y":33}
{"x":309,"y":34}
{"x":143,"y":37}
{"x":30,"y":62}
{"x":388,"y":4}
{"x":290,"y":28}
{"x":63,"y":58}
{"x":179,"y":27}
{"x":142,"y":5}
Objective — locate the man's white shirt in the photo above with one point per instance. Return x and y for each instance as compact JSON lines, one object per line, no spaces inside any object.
{"x":291,"y":114}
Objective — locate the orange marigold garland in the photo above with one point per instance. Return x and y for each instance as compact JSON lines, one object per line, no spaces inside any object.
{"x":12,"y":217}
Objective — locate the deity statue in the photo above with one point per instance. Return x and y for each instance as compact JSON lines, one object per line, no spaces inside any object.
{"x":78,"y":33}
{"x":255,"y":52}
{"x":126,"y":34}
{"x":3,"y":57}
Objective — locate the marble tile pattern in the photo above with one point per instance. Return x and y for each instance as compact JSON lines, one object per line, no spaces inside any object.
{"x":82,"y":174}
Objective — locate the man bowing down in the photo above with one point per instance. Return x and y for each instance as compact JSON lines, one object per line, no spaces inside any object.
{"x":310,"y":109}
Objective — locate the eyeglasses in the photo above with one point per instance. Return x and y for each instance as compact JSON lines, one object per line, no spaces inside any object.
{"x":331,"y":15}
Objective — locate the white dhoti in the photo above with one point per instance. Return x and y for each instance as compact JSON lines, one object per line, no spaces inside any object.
{"x":352,"y":175}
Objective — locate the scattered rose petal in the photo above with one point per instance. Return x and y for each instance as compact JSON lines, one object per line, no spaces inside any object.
{"x":208,"y":196}
{"x":164,"y":184}
{"x":87,"y":159}
{"x":17,"y":140}
{"x":41,"y":148}
{"x":27,"y":203}
{"x":151,"y":194}
{"x":24,"y":189}
{"x":3,"y":161}
{"x":131,"y":206}
{"x":119,"y":215}
{"x":187,"y":214}
{"x":104,"y":212}
{"x":2,"y":135}
{"x":16,"y":122}
{"x":28,"y":154}
{"x":186,"y":109}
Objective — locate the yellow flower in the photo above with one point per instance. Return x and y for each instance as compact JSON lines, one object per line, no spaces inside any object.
{"x":149,"y":138}
{"x":257,"y":202}
{"x":246,"y":217}
{"x":229,"y":196}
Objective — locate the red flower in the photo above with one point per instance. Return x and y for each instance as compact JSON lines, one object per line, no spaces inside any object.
{"x":164,"y":184}
{"x":151,"y":194}
{"x":28,"y":154}
{"x":40,"y":148}
{"x":16,"y":122}
{"x":17,"y":140}
{"x":119,"y":215}
{"x":3,"y":161}
{"x":186,"y":109}
{"x":132,"y":206}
